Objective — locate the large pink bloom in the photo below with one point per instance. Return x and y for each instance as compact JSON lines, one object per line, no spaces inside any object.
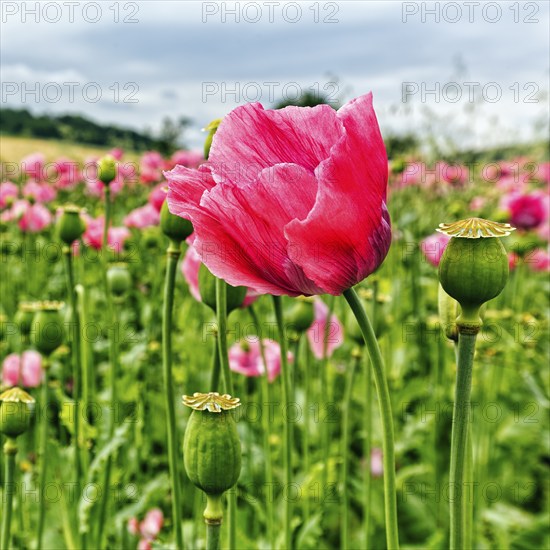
{"x":246,"y":358}
{"x":39,"y":192}
{"x":30,"y":365}
{"x":433,"y":246}
{"x":318,"y":329}
{"x":291,"y":201}
{"x":528,"y":210}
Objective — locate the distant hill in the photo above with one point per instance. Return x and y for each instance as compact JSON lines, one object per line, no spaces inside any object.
{"x":76,"y":129}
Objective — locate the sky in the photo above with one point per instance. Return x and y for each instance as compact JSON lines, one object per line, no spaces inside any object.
{"x":474,"y":73}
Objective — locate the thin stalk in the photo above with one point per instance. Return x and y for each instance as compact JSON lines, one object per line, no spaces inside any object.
{"x":266,"y":428}
{"x":307,"y":421}
{"x":172,"y":255}
{"x":384,"y":402}
{"x":213,"y":532}
{"x":325,"y":390}
{"x":277,"y":303}
{"x":367,"y":451}
{"x":43,"y":453}
{"x":75,"y":356}
{"x":221,"y":313}
{"x":459,"y":438}
{"x":346,"y":415}
{"x":87,"y":386}
{"x":10,"y":450}
{"x":215,"y":370}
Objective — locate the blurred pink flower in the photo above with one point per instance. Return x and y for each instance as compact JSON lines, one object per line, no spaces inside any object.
{"x":151,"y":166}
{"x":68,"y":173}
{"x":190,"y":270}
{"x":527,"y":210}
{"x":513,"y":260}
{"x":117,"y":153}
{"x":40,"y":192}
{"x":158,"y":195}
{"x":189,"y":159}
{"x":538,"y":260}
{"x":413,"y":174}
{"x":33,"y":166}
{"x":477,"y":203}
{"x":133,"y":526}
{"x":144,"y":544}
{"x":455,"y":174}
{"x":31,"y":218}
{"x":246,"y":358}
{"x":141,"y":217}
{"x":543,"y":231}
{"x":93,"y":236}
{"x":316,"y":332}
{"x":31,"y":369}
{"x":376,"y":462}
{"x":543,"y":172}
{"x":433,"y":246}
{"x":152,"y":524}
{"x":8,"y":193}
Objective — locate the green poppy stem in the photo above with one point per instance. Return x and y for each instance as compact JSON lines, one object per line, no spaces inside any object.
{"x":367,"y":451}
{"x":325,"y":391}
{"x":285,"y":374}
{"x":10,"y":450}
{"x":459,"y":438}
{"x":172,"y":256}
{"x":43,"y":453}
{"x":221,"y":313}
{"x":384,"y":402}
{"x":213,"y":532}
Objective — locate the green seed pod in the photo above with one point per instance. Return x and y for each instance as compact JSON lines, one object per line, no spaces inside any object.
{"x":174,"y":227}
{"x":207,"y":289}
{"x":211,"y":446}
{"x":119,"y":279}
{"x":301,"y":314}
{"x":24,"y":316}
{"x":70,"y":226}
{"x":211,"y":129}
{"x":106,"y":169}
{"x":16,"y":408}
{"x":47,"y":327}
{"x":474,"y":266}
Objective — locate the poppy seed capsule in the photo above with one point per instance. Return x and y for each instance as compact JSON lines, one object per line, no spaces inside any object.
{"x":207,"y":289}
{"x":16,"y":408}
{"x":70,"y":225}
{"x":47,"y":327}
{"x":119,"y":279}
{"x":106,"y":169}
{"x":174,"y":227}
{"x":474,"y":266}
{"x":211,"y":446}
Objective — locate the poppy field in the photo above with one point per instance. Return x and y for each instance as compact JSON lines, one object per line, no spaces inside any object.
{"x":285,"y":340}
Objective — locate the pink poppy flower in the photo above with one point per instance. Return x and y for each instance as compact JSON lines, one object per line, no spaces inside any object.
{"x":117,"y":153}
{"x":133,"y":526}
{"x":157,"y":196}
{"x":413,"y":174}
{"x":39,"y":192}
{"x":190,"y":270}
{"x":538,"y":260}
{"x":477,"y":203}
{"x":454,"y":174}
{"x":263,"y":206}
{"x":433,"y":246}
{"x":376,"y":462}
{"x":31,"y":218}
{"x":30,"y":366}
{"x":189,"y":159}
{"x":144,"y":544}
{"x":67,"y":172}
{"x":141,"y":217}
{"x":93,"y":236}
{"x":152,"y":524}
{"x":316,"y":332}
{"x":151,"y":165}
{"x":543,"y":172}
{"x":8,"y":193}
{"x":246,"y":358}
{"x":33,"y":166}
{"x":528,"y":210}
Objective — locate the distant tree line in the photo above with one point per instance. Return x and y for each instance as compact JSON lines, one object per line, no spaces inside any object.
{"x":79,"y":129}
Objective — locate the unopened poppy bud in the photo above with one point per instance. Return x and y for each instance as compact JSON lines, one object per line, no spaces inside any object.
{"x":474,"y":266}
{"x":70,"y":226}
{"x":207,"y":289}
{"x":211,"y":129}
{"x":119,"y":279}
{"x":211,"y":447}
{"x":16,"y":408}
{"x":106,"y":169}
{"x":47,"y":327}
{"x":301,"y":314}
{"x":174,"y":227}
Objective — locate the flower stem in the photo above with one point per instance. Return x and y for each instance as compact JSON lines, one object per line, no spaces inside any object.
{"x":221,"y":313}
{"x":459,"y":437}
{"x":367,"y":450}
{"x":10,"y":450}
{"x":172,"y":255}
{"x":213,"y":531}
{"x":325,"y":390}
{"x":277,"y":303}
{"x":307,"y":422}
{"x":43,"y":453}
{"x":390,"y":497}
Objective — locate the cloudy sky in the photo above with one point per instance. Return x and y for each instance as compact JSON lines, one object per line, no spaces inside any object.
{"x":477,"y":72}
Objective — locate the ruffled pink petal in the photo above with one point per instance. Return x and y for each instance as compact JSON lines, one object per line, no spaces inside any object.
{"x":347,"y":234}
{"x":250,"y":139}
{"x":240,"y":230}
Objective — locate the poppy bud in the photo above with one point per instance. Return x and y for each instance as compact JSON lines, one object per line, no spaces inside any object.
{"x":119,"y":279}
{"x":301,"y":315}
{"x":106,"y":169}
{"x":207,"y":289}
{"x":174,"y":227}
{"x":16,"y":408}
{"x":474,"y":266}
{"x":47,"y":327}
{"x":70,"y":225}
{"x":211,"y":447}
{"x":24,"y":316}
{"x":211,"y":129}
